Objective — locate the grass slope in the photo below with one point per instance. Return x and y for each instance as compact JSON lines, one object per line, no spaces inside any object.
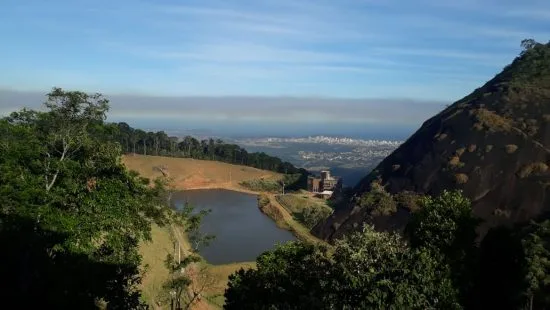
{"x":190,"y":173}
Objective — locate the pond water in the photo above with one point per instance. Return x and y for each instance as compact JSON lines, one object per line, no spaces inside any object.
{"x":242,"y":231}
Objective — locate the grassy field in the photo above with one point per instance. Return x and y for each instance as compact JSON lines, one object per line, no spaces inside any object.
{"x":190,"y":173}
{"x":153,"y":255}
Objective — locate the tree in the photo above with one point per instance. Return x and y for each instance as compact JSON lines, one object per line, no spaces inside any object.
{"x":292,"y":276}
{"x":376,"y":270}
{"x":377,"y":201}
{"x":528,"y":44}
{"x":444,"y":225}
{"x":367,"y":270}
{"x":536,"y":264}
{"x":71,"y":215}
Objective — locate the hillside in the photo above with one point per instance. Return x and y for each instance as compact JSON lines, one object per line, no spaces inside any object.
{"x":494,"y":144}
{"x":190,"y":173}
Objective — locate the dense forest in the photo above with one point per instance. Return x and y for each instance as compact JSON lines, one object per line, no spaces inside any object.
{"x":71,"y":214}
{"x":160,"y":144}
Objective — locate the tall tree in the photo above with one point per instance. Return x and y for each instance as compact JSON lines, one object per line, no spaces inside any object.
{"x":446,"y":227}
{"x":71,"y":215}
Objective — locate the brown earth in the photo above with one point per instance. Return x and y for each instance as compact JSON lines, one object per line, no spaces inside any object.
{"x":187,"y":173}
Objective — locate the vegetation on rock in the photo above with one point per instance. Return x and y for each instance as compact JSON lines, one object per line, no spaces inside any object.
{"x":486,"y":143}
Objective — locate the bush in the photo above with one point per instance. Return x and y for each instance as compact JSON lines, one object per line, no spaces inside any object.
{"x":409,"y":200}
{"x":378,"y":201}
{"x":263,"y":200}
{"x":455,"y":162}
{"x":491,"y":120}
{"x":472,"y":148}
{"x":511,"y":148}
{"x":262,"y":185}
{"x":461,"y":178}
{"x":314,"y":215}
{"x":533,"y":168}
{"x":488,"y":148}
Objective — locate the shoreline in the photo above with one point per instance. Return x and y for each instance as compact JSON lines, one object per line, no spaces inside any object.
{"x":217,"y":186}
{"x":286,"y":221}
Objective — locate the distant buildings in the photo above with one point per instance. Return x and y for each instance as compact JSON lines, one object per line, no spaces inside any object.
{"x":324,"y":185}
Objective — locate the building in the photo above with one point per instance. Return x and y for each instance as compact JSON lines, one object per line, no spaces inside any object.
{"x":324,"y":184}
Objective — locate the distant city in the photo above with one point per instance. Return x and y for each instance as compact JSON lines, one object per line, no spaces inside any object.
{"x":347,"y":157}
{"x":326,"y":140}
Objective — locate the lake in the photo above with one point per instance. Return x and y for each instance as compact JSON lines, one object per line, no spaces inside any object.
{"x":242,"y":231}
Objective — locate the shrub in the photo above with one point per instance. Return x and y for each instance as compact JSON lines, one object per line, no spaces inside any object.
{"x":263,"y":200}
{"x":378,"y":201}
{"x":261,"y":185}
{"x":533,"y":168}
{"x":441,"y":137}
{"x":409,"y":200}
{"x":502,"y":213}
{"x":472,"y":148}
{"x":314,"y":215}
{"x":546,"y":117}
{"x":488,"y":148}
{"x":395,"y":167}
{"x":455,"y":162}
{"x":492,"y":121}
{"x":461,"y":178}
{"x":511,"y":148}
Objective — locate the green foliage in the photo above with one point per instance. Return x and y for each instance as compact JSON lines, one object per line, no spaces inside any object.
{"x":445,"y":227}
{"x":378,"y":201}
{"x":515,"y":267}
{"x":536,"y":266}
{"x":263,"y":200}
{"x":532,"y":68}
{"x":308,"y":210}
{"x":178,"y":283}
{"x":409,"y":200}
{"x":71,"y":215}
{"x":314,"y":215}
{"x":292,"y":276}
{"x":262,"y":185}
{"x":368,"y":270}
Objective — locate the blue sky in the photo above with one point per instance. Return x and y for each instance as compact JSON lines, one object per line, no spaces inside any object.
{"x":423,"y":50}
